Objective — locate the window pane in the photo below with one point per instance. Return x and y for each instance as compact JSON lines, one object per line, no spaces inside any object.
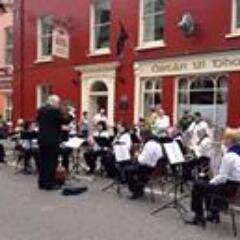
{"x":157,"y":99}
{"x":153,"y":6}
{"x":149,"y":85}
{"x":102,"y":36}
{"x":158,"y":85}
{"x":46,"y":46}
{"x":222,"y":82}
{"x":102,"y":12}
{"x":9,"y":56}
{"x":202,"y":82}
{"x":238,"y":14}
{"x":9,"y":36}
{"x":46,"y":25}
{"x":153,"y":28}
{"x":183,"y":84}
{"x":183,"y":97}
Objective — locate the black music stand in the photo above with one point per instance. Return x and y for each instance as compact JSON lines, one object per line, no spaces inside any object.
{"x":176,"y":160}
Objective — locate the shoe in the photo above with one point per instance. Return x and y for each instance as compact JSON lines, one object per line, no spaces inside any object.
{"x":50,"y":187}
{"x":213,"y":217}
{"x":197,"y":220}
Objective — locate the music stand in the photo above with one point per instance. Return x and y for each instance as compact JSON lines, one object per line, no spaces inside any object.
{"x":176,"y":159}
{"x":75,"y":144}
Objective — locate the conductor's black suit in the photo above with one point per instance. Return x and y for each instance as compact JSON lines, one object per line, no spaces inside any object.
{"x":50,"y":120}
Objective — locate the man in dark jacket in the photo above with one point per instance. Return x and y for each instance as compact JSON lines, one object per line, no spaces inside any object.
{"x":50,"y":119}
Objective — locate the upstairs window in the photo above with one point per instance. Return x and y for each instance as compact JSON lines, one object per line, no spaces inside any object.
{"x":8,"y":46}
{"x":100,"y":30}
{"x":152,"y":22}
{"x":45,"y":29}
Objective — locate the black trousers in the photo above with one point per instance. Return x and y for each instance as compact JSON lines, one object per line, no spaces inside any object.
{"x":2,"y":153}
{"x":137,"y":177}
{"x":91,"y":158}
{"x":203,"y":193}
{"x":48,"y":164}
{"x":65,"y":152}
{"x":28,"y":154}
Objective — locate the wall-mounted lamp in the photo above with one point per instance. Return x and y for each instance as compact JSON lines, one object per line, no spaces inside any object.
{"x":187,"y":25}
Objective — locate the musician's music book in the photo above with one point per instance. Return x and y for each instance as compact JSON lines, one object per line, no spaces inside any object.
{"x":75,"y":142}
{"x":174,"y":153}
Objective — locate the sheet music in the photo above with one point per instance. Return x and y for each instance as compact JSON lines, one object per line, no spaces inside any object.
{"x":174,"y":153}
{"x":74,"y":142}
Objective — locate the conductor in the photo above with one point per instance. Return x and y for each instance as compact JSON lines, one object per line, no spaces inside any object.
{"x":50,"y":118}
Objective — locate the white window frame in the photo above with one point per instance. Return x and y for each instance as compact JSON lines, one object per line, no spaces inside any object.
{"x":93,"y":50}
{"x":8,"y":47}
{"x":39,"y":88}
{"x":142,"y":44}
{"x":235,"y":32}
{"x":40,"y":56}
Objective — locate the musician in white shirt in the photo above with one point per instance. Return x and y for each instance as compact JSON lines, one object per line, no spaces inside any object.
{"x":100,"y":117}
{"x":120,"y":157}
{"x":224,"y":184}
{"x":99,"y":143}
{"x":138,"y":173}
{"x":195,"y":127}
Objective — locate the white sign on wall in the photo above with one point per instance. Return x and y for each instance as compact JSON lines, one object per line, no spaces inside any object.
{"x":193,"y":64}
{"x":60,"y":46}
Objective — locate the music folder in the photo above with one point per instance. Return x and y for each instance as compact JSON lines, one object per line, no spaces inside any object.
{"x":75,"y":142}
{"x":174,"y":153}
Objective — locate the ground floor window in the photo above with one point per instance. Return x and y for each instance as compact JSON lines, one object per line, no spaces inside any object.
{"x":43,"y":92}
{"x":206,"y":94}
{"x":8,"y":107}
{"x":151,"y":91}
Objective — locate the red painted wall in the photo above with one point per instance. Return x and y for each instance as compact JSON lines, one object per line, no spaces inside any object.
{"x":213,"y":23}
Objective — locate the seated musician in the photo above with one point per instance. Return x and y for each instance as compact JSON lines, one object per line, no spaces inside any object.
{"x":224,"y":184}
{"x":121,"y":155}
{"x":99,"y":145}
{"x":29,"y":146}
{"x":202,"y":152}
{"x":138,"y":173}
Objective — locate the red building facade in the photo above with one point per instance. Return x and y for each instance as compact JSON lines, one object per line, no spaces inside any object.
{"x":159,"y":65}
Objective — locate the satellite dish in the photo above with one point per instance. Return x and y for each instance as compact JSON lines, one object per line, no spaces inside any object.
{"x":187,"y":25}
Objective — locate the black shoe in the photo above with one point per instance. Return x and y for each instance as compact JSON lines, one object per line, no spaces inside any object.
{"x":213,"y":217}
{"x":136,"y":195}
{"x":197,"y":220}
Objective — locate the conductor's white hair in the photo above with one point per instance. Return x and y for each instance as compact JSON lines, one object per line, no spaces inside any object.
{"x":53,"y":100}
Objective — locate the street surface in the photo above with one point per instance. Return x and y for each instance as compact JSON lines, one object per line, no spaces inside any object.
{"x":29,"y":214}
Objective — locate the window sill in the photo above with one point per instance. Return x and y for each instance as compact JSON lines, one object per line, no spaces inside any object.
{"x":44,"y":60}
{"x":99,"y":52}
{"x":233,"y":35}
{"x":151,"y":46}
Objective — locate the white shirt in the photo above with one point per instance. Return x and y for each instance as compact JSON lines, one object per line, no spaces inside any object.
{"x":229,"y":169}
{"x":150,"y":154}
{"x":204,"y":148}
{"x":100,"y":118}
{"x":122,"y":146}
{"x":194,"y":128}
